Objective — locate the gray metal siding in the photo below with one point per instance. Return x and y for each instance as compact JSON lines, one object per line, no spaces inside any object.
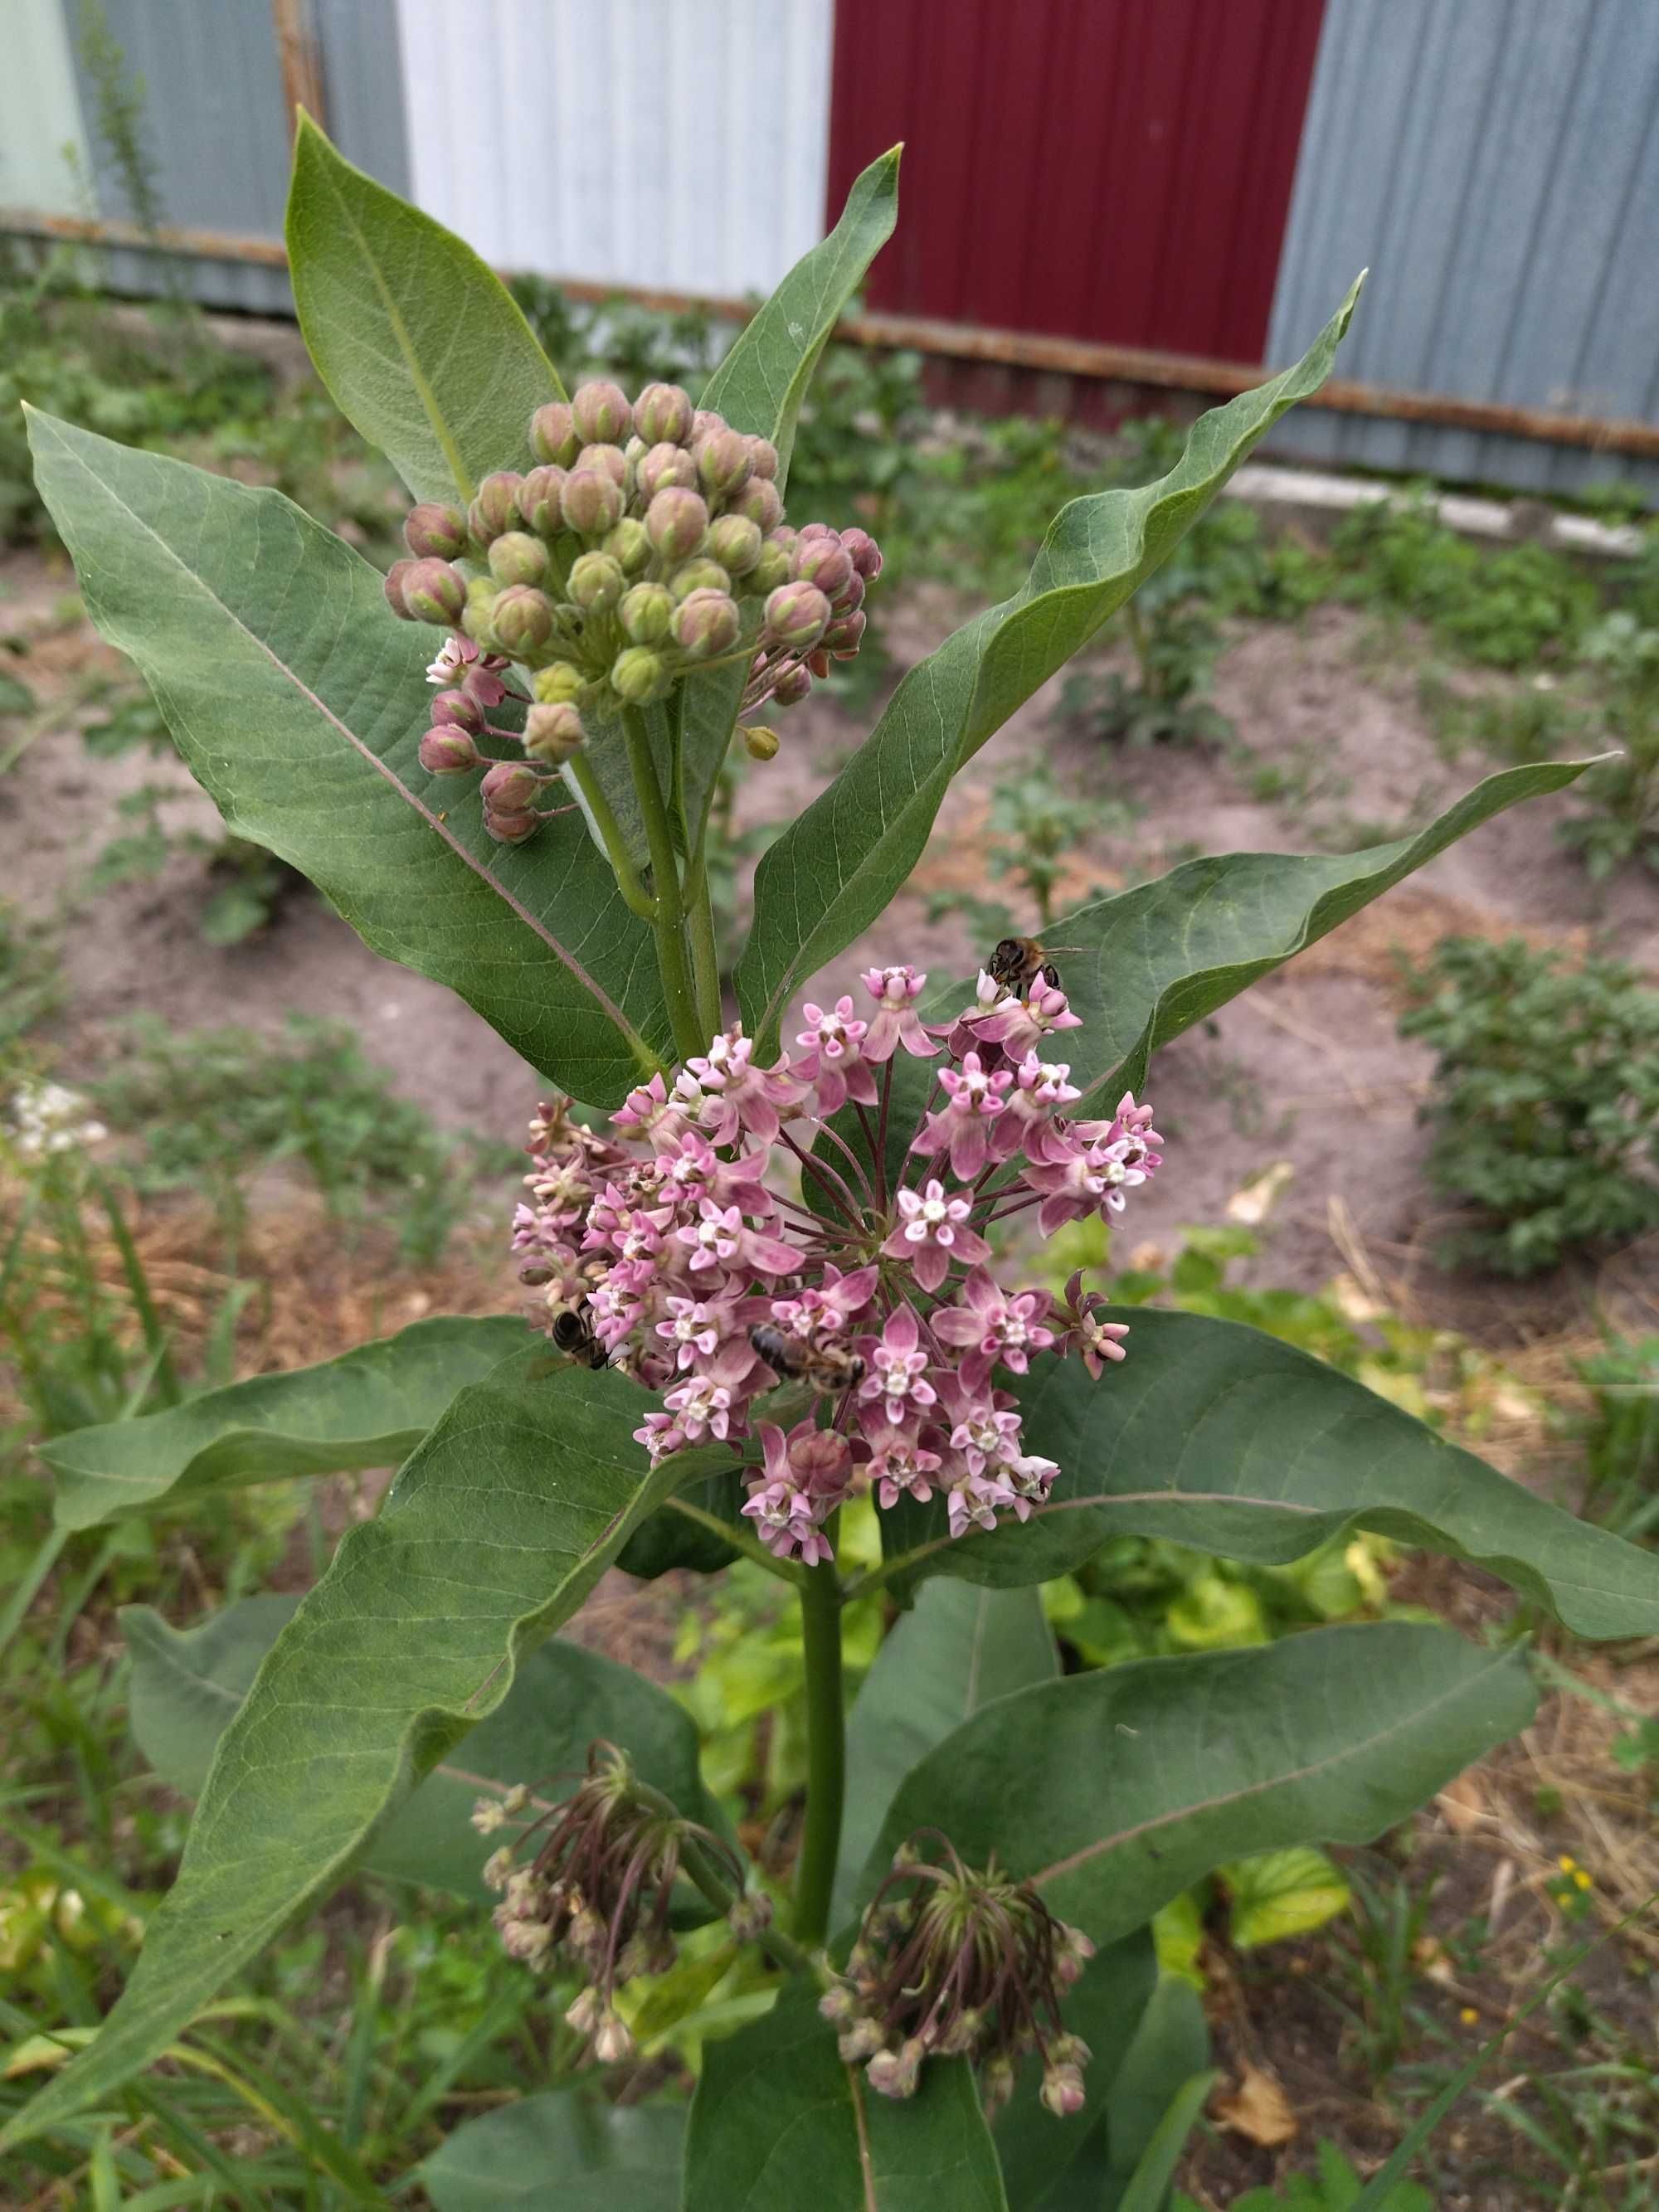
{"x":1496,"y":163}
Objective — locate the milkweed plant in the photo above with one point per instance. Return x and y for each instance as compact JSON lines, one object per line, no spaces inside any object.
{"x":775,"y":1249}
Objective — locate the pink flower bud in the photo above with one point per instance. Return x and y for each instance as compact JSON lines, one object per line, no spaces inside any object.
{"x":851,"y":594}
{"x":645,"y":612}
{"x":704,"y":422}
{"x":760,"y":743}
{"x":771,"y":567}
{"x":662,"y":414}
{"x":676,"y":522}
{"x":436,"y":532}
{"x":843,"y":634}
{"x":516,"y":557}
{"x":864,"y":552}
{"x":601,"y":414}
{"x":639,"y":676}
{"x":735,"y":543}
{"x":792,"y":687}
{"x":707,"y":623}
{"x":540,"y":501}
{"x":510,"y":787}
{"x":699,"y":575}
{"x":595,"y":583}
{"x":522,"y":619}
{"x":434,"y":591}
{"x":797,"y":614}
{"x":759,"y":500}
{"x":609,"y":460}
{"x":592,"y":503}
{"x":448,"y":751}
{"x":495,"y":508}
{"x":396,"y":576}
{"x":763,"y":458}
{"x":666,"y":468}
{"x":553,"y":734}
{"x":628,"y":545}
{"x":508,"y":829}
{"x":455,"y":710}
{"x":553,"y":433}
{"x":723,"y":462}
{"x":823,"y":562}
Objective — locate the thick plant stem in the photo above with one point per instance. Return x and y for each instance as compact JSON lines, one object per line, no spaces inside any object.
{"x":668,"y":921}
{"x":826,"y":1751}
{"x":705,"y":950}
{"x":633,"y":892}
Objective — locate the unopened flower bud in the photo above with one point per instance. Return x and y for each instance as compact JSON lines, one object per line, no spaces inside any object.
{"x":510,"y":829}
{"x":612,"y":2042}
{"x":516,"y":557}
{"x":553,"y":433}
{"x":751,"y":1916}
{"x":396,"y":576}
{"x":558,"y":684}
{"x":792,"y":686}
{"x":859,"y":2040}
{"x":629,"y":546}
{"x":1062,"y":2091}
{"x":702,"y":575}
{"x":434,"y":591}
{"x":445,"y":750}
{"x":763,"y":458}
{"x":759,"y":500}
{"x":662,"y":413}
{"x":676,"y":521}
{"x":823,"y":562}
{"x":771,"y":567}
{"x":522,"y":619}
{"x":553,"y":734}
{"x":850,"y":596}
{"x":592,"y":503}
{"x":436,"y":532}
{"x":610,"y":461}
{"x":601,"y":414}
{"x":638,"y":676}
{"x":511,"y":787}
{"x":540,"y":501}
{"x":666,"y":468}
{"x":457,"y":708}
{"x":864,"y":553}
{"x":843,"y":636}
{"x":595,"y":583}
{"x":797,"y":614}
{"x":896,"y":2073}
{"x":498,"y":1867}
{"x":705,"y":421}
{"x":495,"y":508}
{"x":645,"y":612}
{"x":760,"y":743}
{"x":735,"y":543}
{"x":707,"y":623}
{"x":723,"y":462}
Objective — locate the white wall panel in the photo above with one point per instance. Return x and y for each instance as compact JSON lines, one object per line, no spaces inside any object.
{"x":44,"y":159}
{"x":679,"y":143}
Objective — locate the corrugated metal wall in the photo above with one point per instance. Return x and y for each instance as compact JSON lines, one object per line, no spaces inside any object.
{"x":44,"y":159}
{"x":1496,"y":163}
{"x":669,"y":144}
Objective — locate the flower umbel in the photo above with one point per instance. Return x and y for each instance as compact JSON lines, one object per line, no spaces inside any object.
{"x":953,"y":1963}
{"x":728,"y":1247}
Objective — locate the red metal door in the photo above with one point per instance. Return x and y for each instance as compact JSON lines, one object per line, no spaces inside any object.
{"x":1111,"y":169}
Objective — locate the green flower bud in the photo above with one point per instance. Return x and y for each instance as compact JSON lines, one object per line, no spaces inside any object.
{"x":676,"y":521}
{"x":522,"y":619}
{"x":553,"y":731}
{"x":629,"y":544}
{"x":797,"y":615}
{"x":638,"y":676}
{"x":645,"y":612}
{"x":516,"y":557}
{"x":540,"y":500}
{"x":665,"y":468}
{"x":511,"y":787}
{"x":510,"y":829}
{"x":457,"y":710}
{"x":760,"y":743}
{"x":701,"y":575}
{"x":723,"y":462}
{"x":448,"y":751}
{"x":706,"y":624}
{"x":558,"y":684}
{"x":553,"y":435}
{"x":434,"y":591}
{"x":760,"y":502}
{"x":595,"y":583}
{"x":662,"y":414}
{"x":396,"y":576}
{"x":436,"y":532}
{"x":609,"y":460}
{"x":735,"y":543}
{"x":771,"y":567}
{"x":495,"y":508}
{"x":601,"y":414}
{"x":478,"y":620}
{"x":763,"y":458}
{"x":592,"y":503}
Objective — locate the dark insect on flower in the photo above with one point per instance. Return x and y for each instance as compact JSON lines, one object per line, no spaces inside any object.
{"x":1019,"y":962}
{"x":826,"y":1367}
{"x":572,"y":1332}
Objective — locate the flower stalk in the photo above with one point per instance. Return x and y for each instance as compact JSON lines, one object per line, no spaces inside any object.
{"x":826,"y":1751}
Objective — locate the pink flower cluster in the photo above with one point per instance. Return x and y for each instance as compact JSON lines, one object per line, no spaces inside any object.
{"x":723,"y":1242}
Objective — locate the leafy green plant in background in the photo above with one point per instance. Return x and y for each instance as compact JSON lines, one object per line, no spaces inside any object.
{"x":1621,"y":1434}
{"x":1175,"y":640}
{"x":1545,"y":1102}
{"x":1335,"y":2188}
{"x":422,"y":1669}
{"x":1623,"y":792}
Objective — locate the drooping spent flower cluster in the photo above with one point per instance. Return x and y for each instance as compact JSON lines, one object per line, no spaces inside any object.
{"x":672,"y":1247}
{"x":953,"y":1963}
{"x":649,"y":543}
{"x":588,"y":1886}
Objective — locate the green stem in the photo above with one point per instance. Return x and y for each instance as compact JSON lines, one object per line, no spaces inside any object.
{"x":706,"y":1873}
{"x":668,"y":923}
{"x":826,"y":1749}
{"x":635,"y":894}
{"x":705,"y":949}
{"x":749,"y":1546}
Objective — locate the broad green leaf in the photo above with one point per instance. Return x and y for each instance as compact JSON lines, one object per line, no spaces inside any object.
{"x":671,"y":1538}
{"x":563,"y":2151}
{"x":1218,"y":1435}
{"x":833,"y":871}
{"x":953,"y":1652}
{"x":492,"y":1535}
{"x":1281,"y":1893}
{"x":369,"y":1408}
{"x":759,"y":387}
{"x":188,"y":1685}
{"x":778,"y":2123}
{"x":1147,"y":2188}
{"x":421,"y":345}
{"x":1115,"y":1791}
{"x":298,"y":700}
{"x":1146,"y":2125}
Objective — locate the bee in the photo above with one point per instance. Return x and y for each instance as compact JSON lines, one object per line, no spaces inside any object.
{"x":573,"y":1334}
{"x":826,"y":1367}
{"x":1020,"y":962}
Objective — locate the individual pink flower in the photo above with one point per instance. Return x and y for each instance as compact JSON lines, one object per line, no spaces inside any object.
{"x":932,"y":1234}
{"x":720,"y":1237}
{"x":962,"y":1126}
{"x":736,"y":1094}
{"x":832,"y":1057}
{"x":1042,"y":1090}
{"x":898,"y":1466}
{"x":828,"y":1307}
{"x":897,"y":1366}
{"x":996,"y":1329}
{"x":896,"y":1021}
